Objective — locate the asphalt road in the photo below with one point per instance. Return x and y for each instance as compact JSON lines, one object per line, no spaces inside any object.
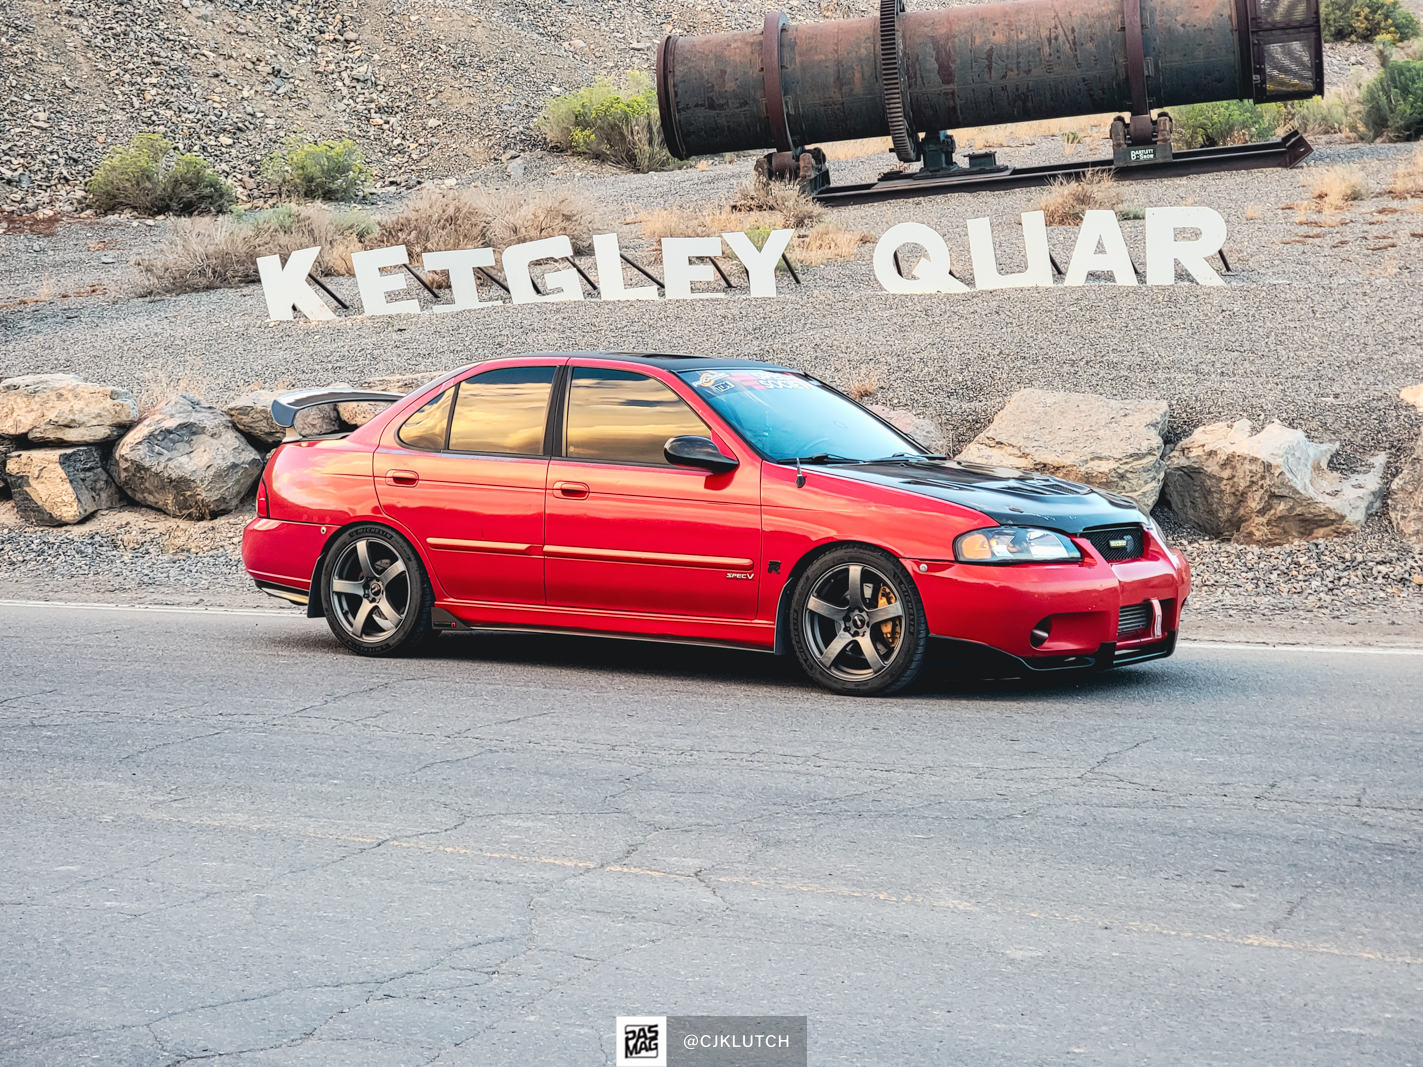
{"x":223,"y":838}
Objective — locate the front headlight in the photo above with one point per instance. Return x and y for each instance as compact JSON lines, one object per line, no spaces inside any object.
{"x":1014,"y":544}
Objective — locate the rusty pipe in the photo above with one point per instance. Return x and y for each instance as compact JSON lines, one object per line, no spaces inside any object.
{"x":903,"y":74}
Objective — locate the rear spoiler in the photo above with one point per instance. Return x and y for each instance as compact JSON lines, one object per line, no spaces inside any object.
{"x":286,"y":407}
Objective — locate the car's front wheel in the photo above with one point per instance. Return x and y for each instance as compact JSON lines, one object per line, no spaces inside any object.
{"x":857,"y":622}
{"x":375,"y":593}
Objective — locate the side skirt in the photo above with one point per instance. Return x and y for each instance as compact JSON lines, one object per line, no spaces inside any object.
{"x":749,"y":634}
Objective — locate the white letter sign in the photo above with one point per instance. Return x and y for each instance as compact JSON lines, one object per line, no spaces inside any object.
{"x":1163,"y":251}
{"x":1100,"y":227}
{"x":931,"y":275}
{"x":460,"y":263}
{"x":374,"y":285}
{"x":760,"y":263}
{"x":678,"y":273}
{"x":285,"y":287}
{"x":985,"y":259}
{"x":561,"y":284}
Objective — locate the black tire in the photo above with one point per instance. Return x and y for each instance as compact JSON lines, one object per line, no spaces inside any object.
{"x":375,"y":592}
{"x":844,"y":642}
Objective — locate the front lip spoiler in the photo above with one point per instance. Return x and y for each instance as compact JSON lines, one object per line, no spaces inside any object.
{"x":973,"y":659}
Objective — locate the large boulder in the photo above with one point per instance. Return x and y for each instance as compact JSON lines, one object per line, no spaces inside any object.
{"x":360,"y":412}
{"x":186,"y":458}
{"x":1271,"y":488}
{"x":252,"y":414}
{"x":1082,"y":437}
{"x":924,"y":431}
{"x":60,"y":486}
{"x":7,"y":445}
{"x":64,"y":409}
{"x":1405,"y":497}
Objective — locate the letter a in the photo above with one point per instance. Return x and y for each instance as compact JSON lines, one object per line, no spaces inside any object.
{"x":1100,"y":227}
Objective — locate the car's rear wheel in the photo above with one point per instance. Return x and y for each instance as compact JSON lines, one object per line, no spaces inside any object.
{"x":375,"y":593}
{"x":857,"y":623}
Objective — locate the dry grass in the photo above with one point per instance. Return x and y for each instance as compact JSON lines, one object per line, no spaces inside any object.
{"x":862,"y":387}
{"x":1337,"y":186}
{"x":437,"y":220}
{"x":1066,"y":201}
{"x":1408,"y":179}
{"x":827,"y":242}
{"x":1252,"y":211}
{"x":217,"y":252}
{"x":785,"y":199}
{"x":865,"y":146}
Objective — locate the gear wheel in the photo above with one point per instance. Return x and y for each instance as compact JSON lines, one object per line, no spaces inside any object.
{"x":906,"y":143}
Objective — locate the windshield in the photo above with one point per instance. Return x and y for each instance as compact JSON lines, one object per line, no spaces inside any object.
{"x":787,"y":416}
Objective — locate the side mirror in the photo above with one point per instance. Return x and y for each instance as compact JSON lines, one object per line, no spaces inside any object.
{"x":698,"y":452}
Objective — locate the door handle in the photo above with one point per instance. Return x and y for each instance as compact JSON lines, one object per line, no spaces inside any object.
{"x":401,"y":478}
{"x":572,"y":490}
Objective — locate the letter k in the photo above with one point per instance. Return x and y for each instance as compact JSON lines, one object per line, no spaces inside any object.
{"x":287,"y":287}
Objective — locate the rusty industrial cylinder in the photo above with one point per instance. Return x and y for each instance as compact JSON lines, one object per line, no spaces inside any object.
{"x":978,"y":65}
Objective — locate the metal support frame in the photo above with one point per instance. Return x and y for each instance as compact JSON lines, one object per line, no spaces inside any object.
{"x":771,"y":31}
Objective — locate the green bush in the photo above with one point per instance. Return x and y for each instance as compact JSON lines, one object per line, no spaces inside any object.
{"x":1393,"y":103}
{"x":1226,"y":122}
{"x":1319,"y":115}
{"x":330,"y":170}
{"x":1367,"y":20}
{"x":607,"y":122}
{"x":133,"y":177}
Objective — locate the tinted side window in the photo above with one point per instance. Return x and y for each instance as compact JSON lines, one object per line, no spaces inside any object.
{"x":503,"y":411}
{"x":426,"y":428}
{"x":624,"y":416}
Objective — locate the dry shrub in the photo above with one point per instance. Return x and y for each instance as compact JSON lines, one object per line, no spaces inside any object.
{"x":437,"y":220}
{"x":219,"y":252}
{"x":1067,"y":201}
{"x":1337,"y":186}
{"x":861,"y":387}
{"x":1252,"y":211}
{"x":785,"y":199}
{"x":1408,"y":179}
{"x":829,"y":241}
{"x":858,"y":149}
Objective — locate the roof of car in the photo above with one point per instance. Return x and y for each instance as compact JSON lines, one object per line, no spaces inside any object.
{"x":670,"y":360}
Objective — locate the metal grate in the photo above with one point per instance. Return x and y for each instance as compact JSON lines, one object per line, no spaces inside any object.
{"x":1117,"y":543}
{"x":1289,"y":68}
{"x":1134,"y":618}
{"x":1283,"y":12}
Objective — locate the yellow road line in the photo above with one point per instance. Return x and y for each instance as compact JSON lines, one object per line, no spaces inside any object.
{"x":924,"y":899}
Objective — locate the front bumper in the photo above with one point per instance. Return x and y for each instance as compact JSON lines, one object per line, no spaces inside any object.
{"x":973,"y":659}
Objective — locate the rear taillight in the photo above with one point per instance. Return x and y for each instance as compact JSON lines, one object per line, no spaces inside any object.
{"x":262,"y":498}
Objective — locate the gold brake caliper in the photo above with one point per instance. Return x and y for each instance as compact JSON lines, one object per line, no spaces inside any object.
{"x":889,"y":629}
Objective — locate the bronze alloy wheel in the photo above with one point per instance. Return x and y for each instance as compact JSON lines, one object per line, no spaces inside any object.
{"x":375,"y":594}
{"x":858,"y":623}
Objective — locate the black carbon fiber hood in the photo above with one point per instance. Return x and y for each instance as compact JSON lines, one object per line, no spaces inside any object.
{"x":1014,"y":498}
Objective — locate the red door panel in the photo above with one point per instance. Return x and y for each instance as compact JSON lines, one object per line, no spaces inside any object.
{"x":479,"y":518}
{"x":669,"y":540}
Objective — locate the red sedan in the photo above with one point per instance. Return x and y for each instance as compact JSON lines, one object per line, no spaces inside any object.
{"x":708,"y":501}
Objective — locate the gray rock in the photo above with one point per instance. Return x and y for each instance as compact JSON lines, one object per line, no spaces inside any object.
{"x":60,"y":486}
{"x":1405,"y":496}
{"x":358,"y":413}
{"x":64,"y":409}
{"x":186,"y":458}
{"x":7,"y":445}
{"x":922,"y":430}
{"x":1082,"y":437}
{"x":1271,"y":488}
{"x":252,"y":414}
